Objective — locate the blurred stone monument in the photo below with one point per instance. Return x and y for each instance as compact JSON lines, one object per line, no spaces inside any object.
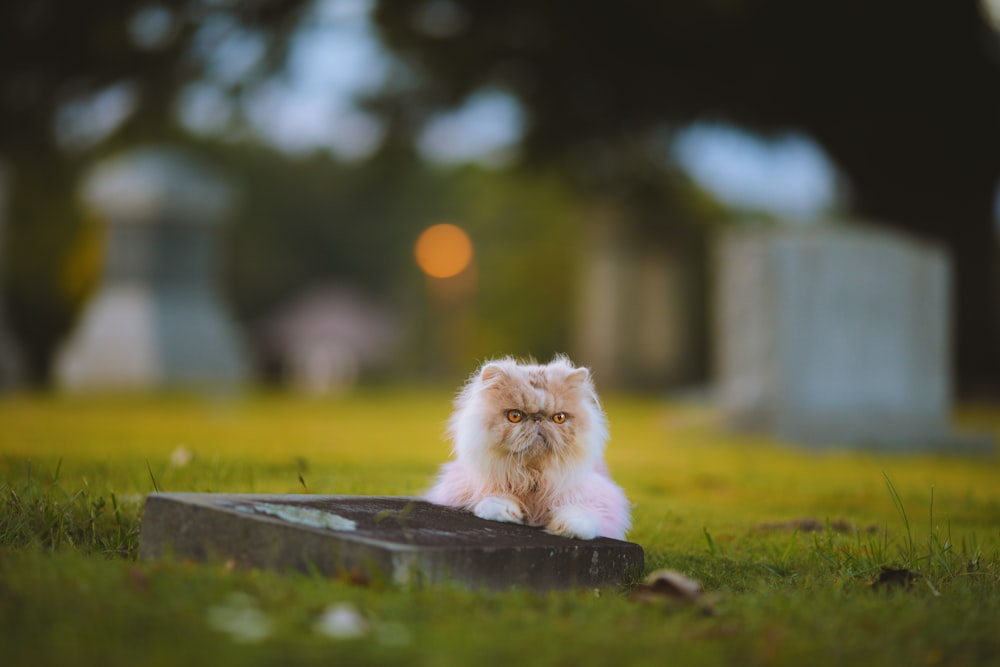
{"x":158,"y":318}
{"x":637,"y":321}
{"x":836,"y":335}
{"x":324,"y":339}
{"x":11,"y":365}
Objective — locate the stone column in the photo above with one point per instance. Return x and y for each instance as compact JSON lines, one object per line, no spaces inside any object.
{"x":158,"y":319}
{"x":636,"y":321}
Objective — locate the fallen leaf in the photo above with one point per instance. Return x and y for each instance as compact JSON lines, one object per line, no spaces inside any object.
{"x":890,"y":577}
{"x":670,"y":586}
{"x":138,"y":580}
{"x":809,"y":525}
{"x":355,"y":576}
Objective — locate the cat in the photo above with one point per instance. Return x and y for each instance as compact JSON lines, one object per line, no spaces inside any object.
{"x":528,"y":444}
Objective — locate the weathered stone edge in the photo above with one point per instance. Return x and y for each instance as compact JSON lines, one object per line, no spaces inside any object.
{"x":225,"y":534}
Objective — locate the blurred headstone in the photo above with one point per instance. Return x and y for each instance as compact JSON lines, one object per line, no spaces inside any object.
{"x":834,"y":335}
{"x":11,"y":365}
{"x":637,"y":323}
{"x":326,"y":337}
{"x":158,"y":318}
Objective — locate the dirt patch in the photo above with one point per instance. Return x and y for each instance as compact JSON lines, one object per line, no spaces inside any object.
{"x":809,"y":525}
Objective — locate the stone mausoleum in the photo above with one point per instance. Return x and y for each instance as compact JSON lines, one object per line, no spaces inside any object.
{"x":159,"y":318}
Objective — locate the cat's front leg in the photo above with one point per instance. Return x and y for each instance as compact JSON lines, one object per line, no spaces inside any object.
{"x":499,"y":508}
{"x":573,"y":521}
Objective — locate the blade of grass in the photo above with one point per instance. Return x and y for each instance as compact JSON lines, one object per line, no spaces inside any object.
{"x":711,"y":543}
{"x":909,"y":549}
{"x":156,"y":487}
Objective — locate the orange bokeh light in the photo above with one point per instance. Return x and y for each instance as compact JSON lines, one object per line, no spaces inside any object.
{"x":443,"y":251}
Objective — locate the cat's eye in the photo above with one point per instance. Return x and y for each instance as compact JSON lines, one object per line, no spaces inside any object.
{"x":559,"y":417}
{"x":514,"y":416}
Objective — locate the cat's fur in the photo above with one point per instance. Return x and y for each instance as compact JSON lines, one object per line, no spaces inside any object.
{"x":535,"y":471}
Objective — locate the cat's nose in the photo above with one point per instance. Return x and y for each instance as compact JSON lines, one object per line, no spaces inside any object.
{"x":536,"y":417}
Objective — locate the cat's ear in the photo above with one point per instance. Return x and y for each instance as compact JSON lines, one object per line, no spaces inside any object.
{"x":579,"y":377}
{"x":491,"y":372}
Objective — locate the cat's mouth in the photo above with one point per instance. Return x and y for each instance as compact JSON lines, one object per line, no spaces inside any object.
{"x":534,"y":443}
{"x":540,"y":439}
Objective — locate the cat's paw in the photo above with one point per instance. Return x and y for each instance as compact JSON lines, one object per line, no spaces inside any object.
{"x":499,"y":508}
{"x":571,"y":521}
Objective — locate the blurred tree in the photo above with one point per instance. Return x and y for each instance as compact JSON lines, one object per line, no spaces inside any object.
{"x":903,"y":94}
{"x":57,"y":57}
{"x":313,"y":221}
{"x":76,"y":78}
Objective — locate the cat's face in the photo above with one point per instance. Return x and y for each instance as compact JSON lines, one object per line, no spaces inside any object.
{"x":535,"y":413}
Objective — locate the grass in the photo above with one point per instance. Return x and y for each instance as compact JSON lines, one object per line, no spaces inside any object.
{"x":787,"y":543}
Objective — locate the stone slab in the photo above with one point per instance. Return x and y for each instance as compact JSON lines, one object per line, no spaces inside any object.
{"x":837,"y":335}
{"x":397,"y":539}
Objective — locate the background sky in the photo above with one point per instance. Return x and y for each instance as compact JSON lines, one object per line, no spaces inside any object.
{"x":338,"y":58}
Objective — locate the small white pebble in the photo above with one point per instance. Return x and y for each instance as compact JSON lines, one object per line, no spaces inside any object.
{"x":342,"y":621}
{"x":241,"y":619}
{"x":181,"y":456}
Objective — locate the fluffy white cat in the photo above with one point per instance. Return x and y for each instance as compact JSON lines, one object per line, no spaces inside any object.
{"x":528,"y":445}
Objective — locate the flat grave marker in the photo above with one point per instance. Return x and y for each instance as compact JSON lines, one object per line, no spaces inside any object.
{"x":398,"y":539}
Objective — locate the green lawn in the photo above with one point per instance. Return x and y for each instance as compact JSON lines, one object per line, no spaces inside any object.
{"x":787,"y":543}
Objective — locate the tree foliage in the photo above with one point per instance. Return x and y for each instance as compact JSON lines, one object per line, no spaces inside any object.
{"x":903,"y":95}
{"x":304,"y":221}
{"x":59,"y":62}
{"x":54,"y":55}
{"x":314,"y":222}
